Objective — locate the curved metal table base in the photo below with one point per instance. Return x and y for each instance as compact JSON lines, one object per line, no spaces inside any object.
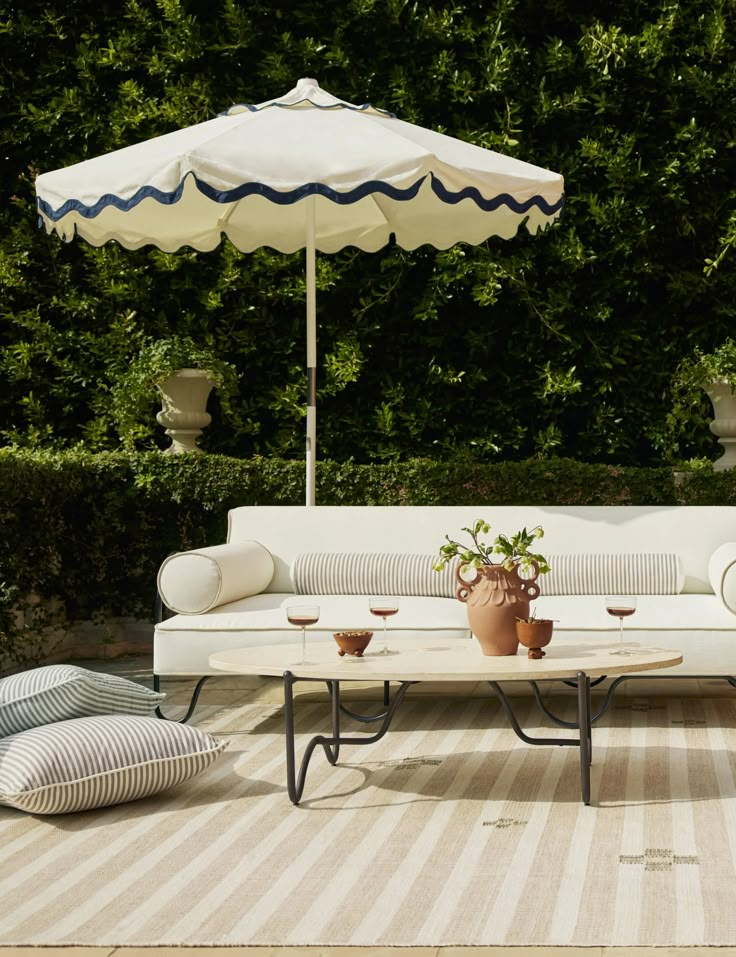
{"x":192,"y":704}
{"x":295,"y":779}
{"x":331,"y":745}
{"x":198,"y":687}
{"x":573,"y":724}
{"x":606,"y":703}
{"x":365,"y":718}
{"x":584,"y":741}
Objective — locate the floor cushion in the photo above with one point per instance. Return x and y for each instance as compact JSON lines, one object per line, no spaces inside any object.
{"x":59,"y":692}
{"x":95,"y":761}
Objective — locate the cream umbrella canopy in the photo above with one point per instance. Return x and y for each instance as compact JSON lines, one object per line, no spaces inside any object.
{"x":306,"y":170}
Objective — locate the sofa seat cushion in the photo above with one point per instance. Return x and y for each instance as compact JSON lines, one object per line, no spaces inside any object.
{"x":184,"y":643}
{"x":699,"y":626}
{"x":265,"y":615}
{"x":653,"y":613}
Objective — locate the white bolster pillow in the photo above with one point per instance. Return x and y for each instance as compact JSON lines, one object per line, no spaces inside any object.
{"x":193,"y":582}
{"x":722,"y":574}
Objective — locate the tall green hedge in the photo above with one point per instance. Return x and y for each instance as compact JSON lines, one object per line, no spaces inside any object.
{"x":84,"y":534}
{"x":561,"y":344}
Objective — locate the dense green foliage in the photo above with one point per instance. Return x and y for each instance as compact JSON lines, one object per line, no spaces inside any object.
{"x":556,"y":344}
{"x":84,"y":534}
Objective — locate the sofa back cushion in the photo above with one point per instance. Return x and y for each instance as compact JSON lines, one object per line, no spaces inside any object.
{"x":692,"y":532}
{"x":614,"y":574}
{"x":388,"y":573}
{"x":371,"y":573}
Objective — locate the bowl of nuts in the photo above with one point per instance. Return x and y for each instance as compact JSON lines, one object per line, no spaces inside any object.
{"x":352,"y":642}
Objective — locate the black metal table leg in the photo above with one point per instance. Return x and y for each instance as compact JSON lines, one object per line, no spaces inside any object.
{"x":192,"y":704}
{"x":330,"y":745}
{"x":584,"y":739}
{"x":335,"y":749}
{"x":289,"y":736}
{"x":586,"y":735}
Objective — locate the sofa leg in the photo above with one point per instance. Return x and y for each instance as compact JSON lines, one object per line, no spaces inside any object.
{"x":192,"y":703}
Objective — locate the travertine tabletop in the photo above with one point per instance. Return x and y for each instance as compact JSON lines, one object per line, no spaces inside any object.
{"x":425,"y":659}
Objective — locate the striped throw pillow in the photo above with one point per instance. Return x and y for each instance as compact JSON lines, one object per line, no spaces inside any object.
{"x":92,"y":762}
{"x":60,"y":692}
{"x":620,"y":574}
{"x":371,"y":573}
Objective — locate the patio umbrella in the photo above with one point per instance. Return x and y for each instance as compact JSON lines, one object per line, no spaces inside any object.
{"x":307,"y":170}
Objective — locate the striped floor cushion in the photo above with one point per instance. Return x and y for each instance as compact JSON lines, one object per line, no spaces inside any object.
{"x":60,"y":692}
{"x":92,"y":762}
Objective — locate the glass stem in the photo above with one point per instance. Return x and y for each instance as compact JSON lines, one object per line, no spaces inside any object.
{"x":304,"y":645}
{"x":621,"y":635}
{"x":385,"y":638}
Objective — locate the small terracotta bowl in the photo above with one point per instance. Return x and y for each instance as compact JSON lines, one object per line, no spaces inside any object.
{"x":534,"y":635}
{"x":352,"y":642}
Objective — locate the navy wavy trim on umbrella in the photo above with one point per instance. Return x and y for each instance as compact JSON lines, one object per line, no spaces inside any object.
{"x":295,"y":195}
{"x":253,"y":108}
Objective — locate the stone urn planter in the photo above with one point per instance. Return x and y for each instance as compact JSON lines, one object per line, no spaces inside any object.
{"x":183,"y":409}
{"x":723,"y":425}
{"x":495,"y":598}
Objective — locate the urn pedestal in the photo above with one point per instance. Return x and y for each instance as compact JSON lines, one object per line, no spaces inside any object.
{"x":183,"y":409}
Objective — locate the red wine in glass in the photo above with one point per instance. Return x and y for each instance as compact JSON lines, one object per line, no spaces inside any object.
{"x":302,"y":616}
{"x":621,"y":607}
{"x":384,"y":608}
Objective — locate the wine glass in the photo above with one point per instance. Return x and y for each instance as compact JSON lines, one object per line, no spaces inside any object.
{"x":303,"y":615}
{"x":621,"y":606}
{"x":383,"y":607}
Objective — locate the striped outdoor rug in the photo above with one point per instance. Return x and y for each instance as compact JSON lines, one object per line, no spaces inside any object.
{"x":448,"y":831}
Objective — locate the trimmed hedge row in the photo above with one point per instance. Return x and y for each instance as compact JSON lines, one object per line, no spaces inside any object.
{"x":85,"y":533}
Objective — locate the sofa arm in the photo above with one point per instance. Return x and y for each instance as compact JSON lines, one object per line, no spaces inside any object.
{"x":722,"y":574}
{"x":193,"y":582}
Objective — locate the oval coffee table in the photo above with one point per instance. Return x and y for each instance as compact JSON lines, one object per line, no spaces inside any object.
{"x":425,"y":659}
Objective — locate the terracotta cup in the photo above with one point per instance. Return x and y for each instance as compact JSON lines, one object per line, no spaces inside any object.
{"x":534,"y":635}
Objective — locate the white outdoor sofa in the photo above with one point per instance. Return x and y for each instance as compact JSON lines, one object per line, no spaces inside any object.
{"x":234,"y":595}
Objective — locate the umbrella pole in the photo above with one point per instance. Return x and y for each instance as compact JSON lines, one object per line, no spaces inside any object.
{"x":311,"y":354}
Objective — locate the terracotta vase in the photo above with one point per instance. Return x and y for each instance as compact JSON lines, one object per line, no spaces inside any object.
{"x":495,"y":599}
